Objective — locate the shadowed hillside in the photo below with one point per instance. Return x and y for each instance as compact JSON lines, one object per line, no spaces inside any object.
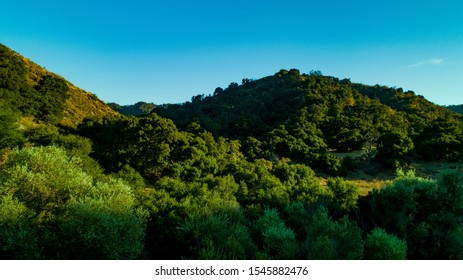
{"x":456,"y":108}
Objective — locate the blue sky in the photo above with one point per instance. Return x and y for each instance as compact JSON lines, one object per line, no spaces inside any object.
{"x":168,"y":51}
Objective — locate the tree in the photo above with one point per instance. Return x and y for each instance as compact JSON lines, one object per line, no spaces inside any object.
{"x":394,"y":147}
{"x":19,"y":237}
{"x":422,"y":212}
{"x":344,"y":195}
{"x":441,"y":139}
{"x":53,"y":94}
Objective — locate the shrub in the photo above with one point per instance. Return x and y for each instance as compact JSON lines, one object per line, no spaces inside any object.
{"x":68,"y":214}
{"x":380,"y":245}
{"x":344,"y":195}
{"x":278,"y":240}
{"x":333,"y":240}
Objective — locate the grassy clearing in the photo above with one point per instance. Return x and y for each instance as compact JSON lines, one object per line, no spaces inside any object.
{"x":352,"y":154}
{"x":434,"y":169}
{"x":370,"y":175}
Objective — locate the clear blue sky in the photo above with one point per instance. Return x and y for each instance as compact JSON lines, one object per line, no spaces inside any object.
{"x":168,"y":51}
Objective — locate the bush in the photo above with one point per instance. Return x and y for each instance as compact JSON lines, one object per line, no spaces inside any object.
{"x":18,"y":235}
{"x":218,"y":235}
{"x":65,"y":212}
{"x":422,"y":212}
{"x":344,"y":195}
{"x":380,"y":245}
{"x":279,"y":241}
{"x":332,"y":240}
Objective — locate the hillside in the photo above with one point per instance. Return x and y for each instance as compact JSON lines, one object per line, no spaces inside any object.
{"x":34,"y":91}
{"x":137,"y":109}
{"x":302,"y":116}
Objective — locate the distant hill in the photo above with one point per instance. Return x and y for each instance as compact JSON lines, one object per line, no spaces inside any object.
{"x":29,"y":88}
{"x":256,"y":107}
{"x":138,"y":109}
{"x":456,"y":108}
{"x":301,"y":115}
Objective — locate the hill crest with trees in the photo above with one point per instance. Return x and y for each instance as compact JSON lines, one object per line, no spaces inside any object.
{"x":302,"y":116}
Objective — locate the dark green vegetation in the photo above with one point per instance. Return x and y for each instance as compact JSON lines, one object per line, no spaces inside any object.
{"x":234,"y":175}
{"x":456,"y":108}
{"x":137,"y":109}
{"x":301,"y":117}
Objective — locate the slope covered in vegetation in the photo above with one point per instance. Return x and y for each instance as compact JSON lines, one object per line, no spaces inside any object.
{"x":33,"y":91}
{"x":137,"y":109}
{"x":301,"y":116}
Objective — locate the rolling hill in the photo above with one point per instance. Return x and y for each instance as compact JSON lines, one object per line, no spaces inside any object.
{"x":298,"y":116}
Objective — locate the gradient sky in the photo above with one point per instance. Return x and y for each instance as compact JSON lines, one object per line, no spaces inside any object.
{"x":168,"y":51}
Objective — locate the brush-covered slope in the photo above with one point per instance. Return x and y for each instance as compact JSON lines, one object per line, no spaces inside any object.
{"x":31,"y":90}
{"x":299,"y":115}
{"x":137,"y":109}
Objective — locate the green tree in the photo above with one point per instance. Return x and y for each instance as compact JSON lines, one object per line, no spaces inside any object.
{"x":441,"y":139}
{"x":344,"y":195}
{"x":422,"y":212}
{"x":300,"y":181}
{"x":394,"y":146}
{"x":19,"y":237}
{"x":53,"y":94}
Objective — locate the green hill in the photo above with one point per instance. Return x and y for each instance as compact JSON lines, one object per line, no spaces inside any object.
{"x":301,"y":116}
{"x":45,"y":96}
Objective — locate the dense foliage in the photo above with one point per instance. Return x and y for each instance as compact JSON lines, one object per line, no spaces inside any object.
{"x":137,"y":109}
{"x":456,"y":108}
{"x":229,"y":176}
{"x":30,"y":90}
{"x":43,"y":99}
{"x":51,"y":209}
{"x":301,"y":117}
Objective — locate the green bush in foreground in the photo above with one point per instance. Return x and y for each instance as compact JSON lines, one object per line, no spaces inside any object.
{"x":380,"y":245}
{"x":51,"y":209}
